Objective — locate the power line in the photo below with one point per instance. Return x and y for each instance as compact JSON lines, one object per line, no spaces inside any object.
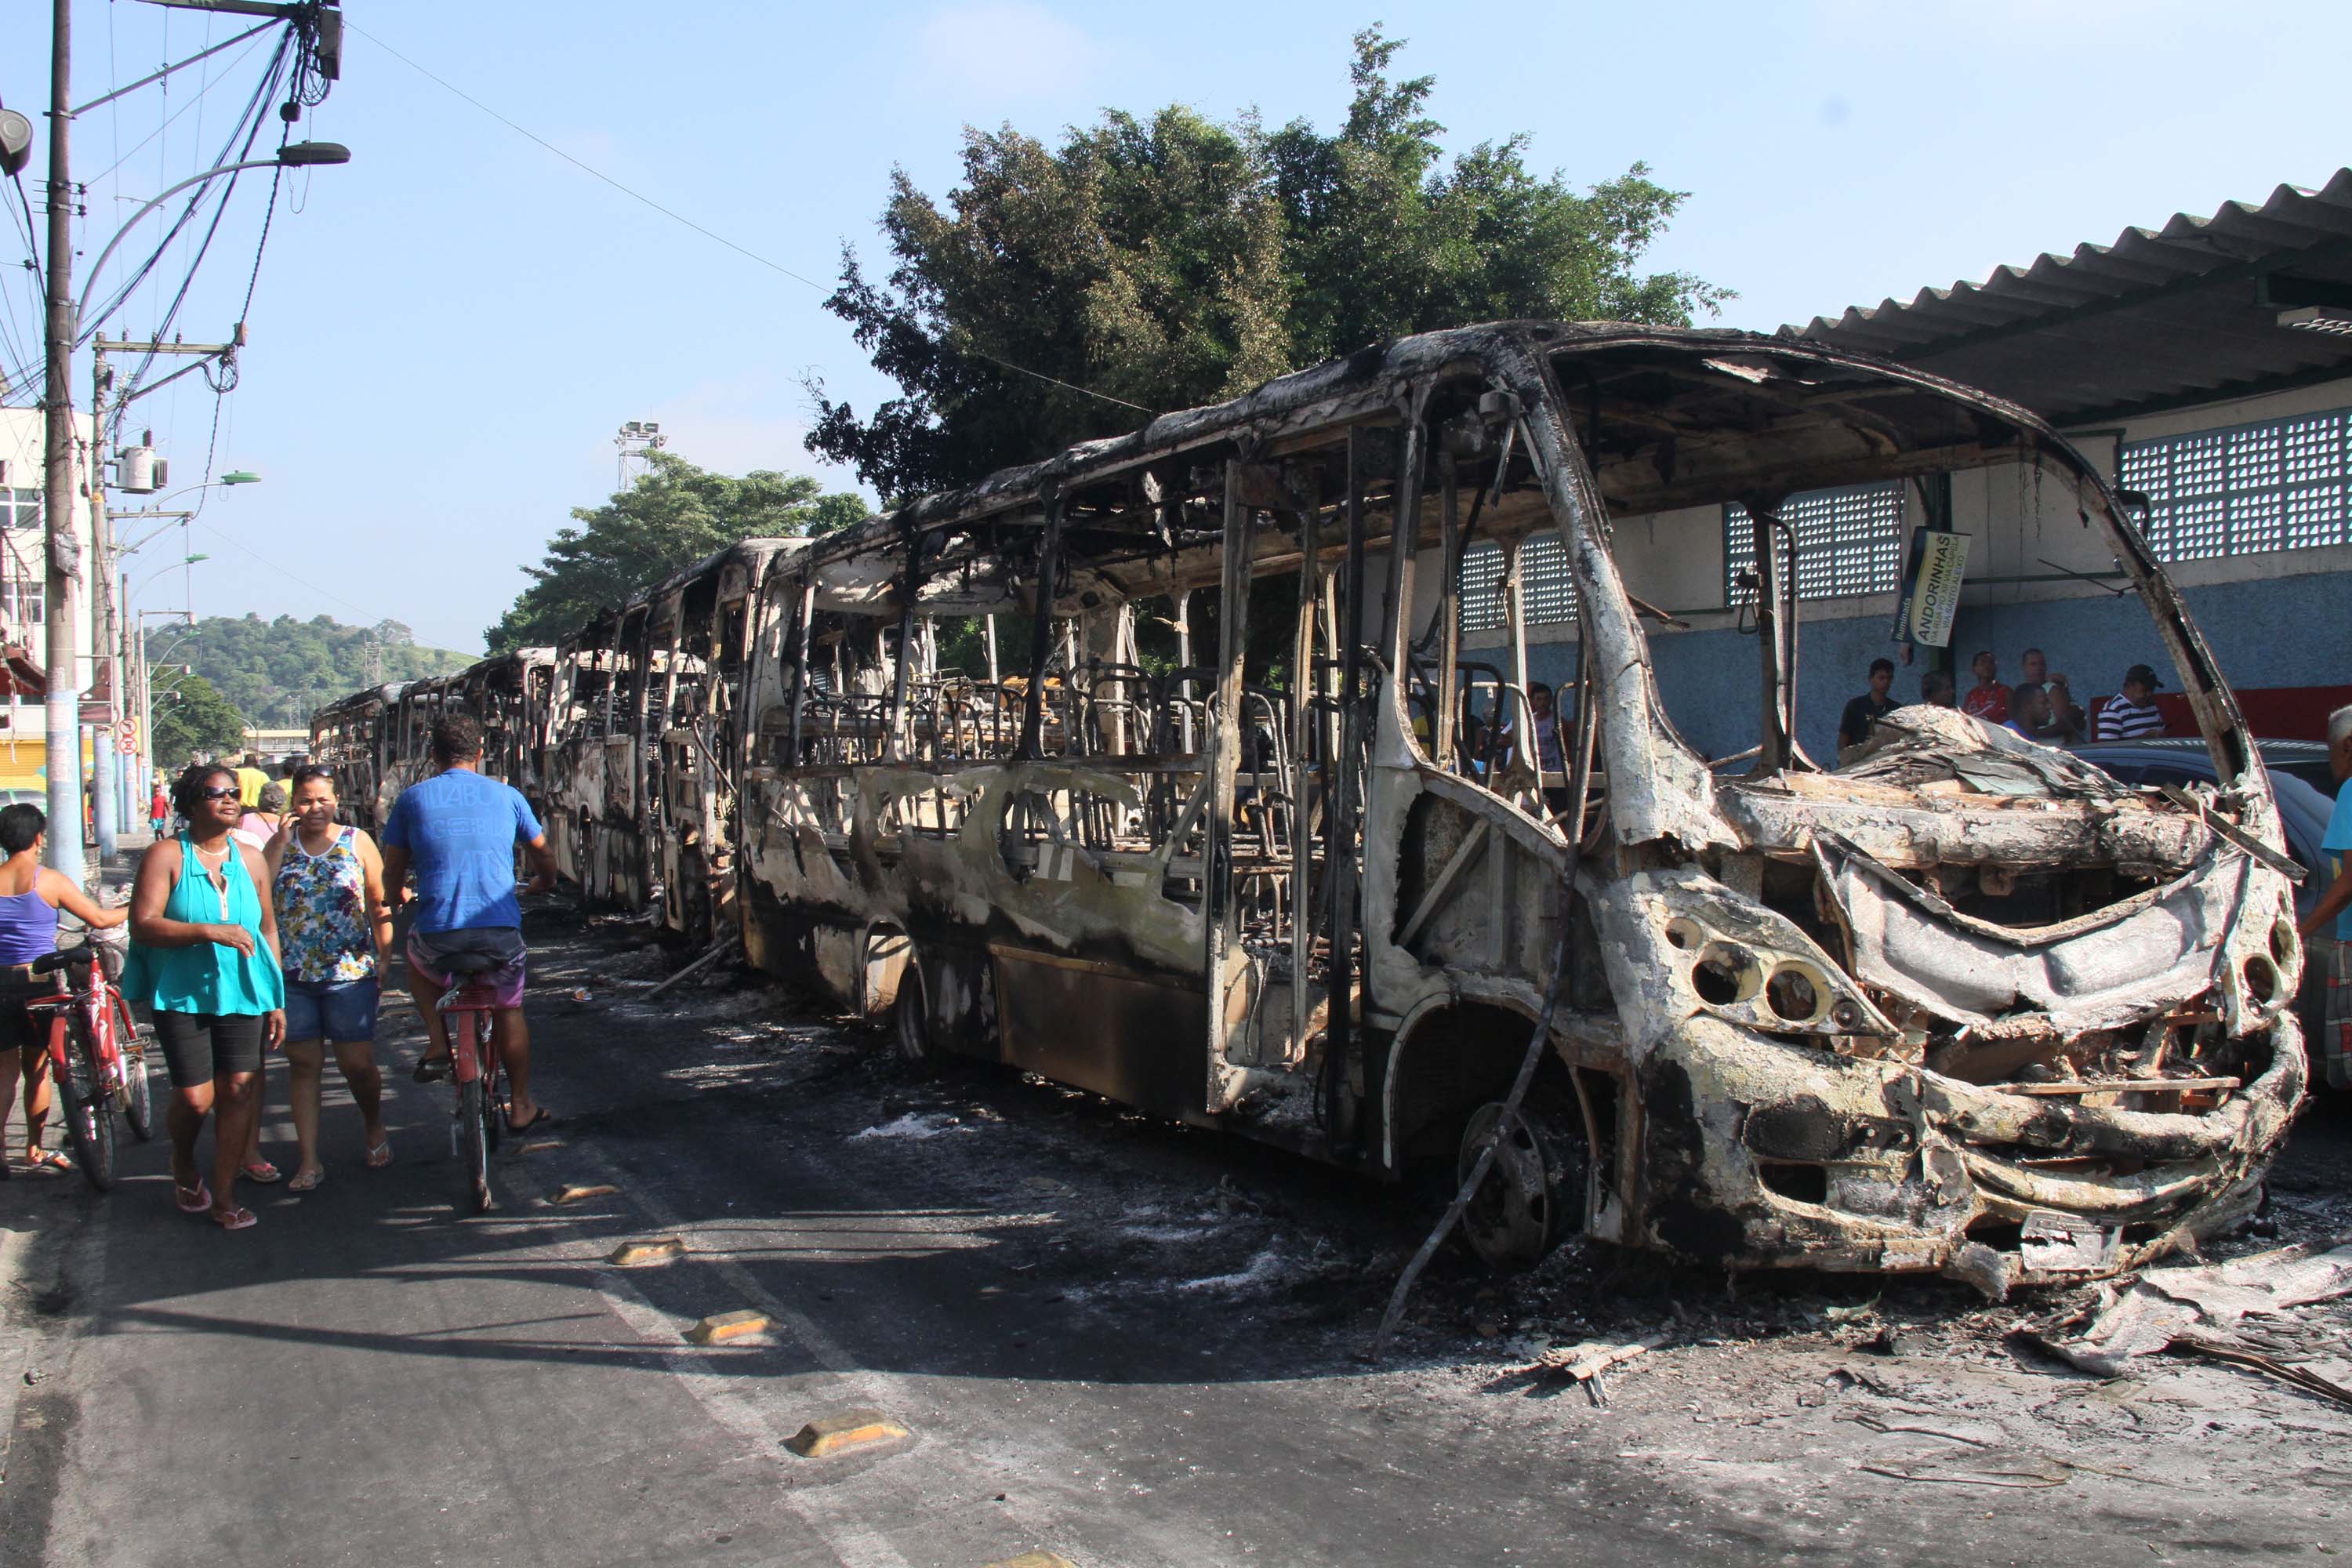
{"x":175,"y":114}
{"x":273,"y":565}
{"x":229,"y":152}
{"x":708,"y":234}
{"x":27,"y":367}
{"x":635,"y":195}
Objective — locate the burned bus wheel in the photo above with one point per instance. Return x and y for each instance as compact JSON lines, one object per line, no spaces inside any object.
{"x":910,"y":1024}
{"x":1533,"y":1195}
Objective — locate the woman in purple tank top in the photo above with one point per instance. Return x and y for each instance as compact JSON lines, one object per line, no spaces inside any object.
{"x":30,"y":896}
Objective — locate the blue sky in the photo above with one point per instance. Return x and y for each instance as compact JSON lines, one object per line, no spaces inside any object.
{"x":448,"y":330}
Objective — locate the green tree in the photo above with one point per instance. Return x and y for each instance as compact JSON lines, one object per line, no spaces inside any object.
{"x":278,"y":671}
{"x":1066,"y":293}
{"x":192,"y":717}
{"x":671,"y":517}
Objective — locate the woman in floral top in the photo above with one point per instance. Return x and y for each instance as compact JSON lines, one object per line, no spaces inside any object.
{"x":335,"y":930}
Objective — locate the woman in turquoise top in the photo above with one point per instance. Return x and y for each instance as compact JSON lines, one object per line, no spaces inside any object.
{"x":204,"y":959}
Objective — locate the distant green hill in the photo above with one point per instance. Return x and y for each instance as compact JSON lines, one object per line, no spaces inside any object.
{"x":276,"y":672}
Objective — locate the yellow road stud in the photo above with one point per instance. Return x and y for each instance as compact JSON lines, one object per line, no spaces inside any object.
{"x":578,"y":1191}
{"x":727,"y":1326}
{"x":645,"y":1254}
{"x":830,"y":1435}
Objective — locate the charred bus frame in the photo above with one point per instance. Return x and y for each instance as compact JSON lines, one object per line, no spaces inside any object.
{"x":1964,"y":1004}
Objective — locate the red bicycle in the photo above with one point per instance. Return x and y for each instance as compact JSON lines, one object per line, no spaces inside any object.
{"x":97,"y":1060}
{"x":480,"y":1114}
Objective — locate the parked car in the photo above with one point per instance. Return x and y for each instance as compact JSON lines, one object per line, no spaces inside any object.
{"x":2307,"y":796}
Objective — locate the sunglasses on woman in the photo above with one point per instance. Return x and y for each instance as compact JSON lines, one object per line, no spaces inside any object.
{"x":221,"y":793}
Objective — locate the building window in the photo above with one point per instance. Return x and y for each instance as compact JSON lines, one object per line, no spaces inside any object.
{"x":1848,"y":541}
{"x":1547,"y":591}
{"x":20,"y":601}
{"x":2279,"y":485}
{"x":19,"y":507}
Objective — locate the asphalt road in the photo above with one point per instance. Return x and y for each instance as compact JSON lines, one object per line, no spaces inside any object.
{"x":371,"y":1378}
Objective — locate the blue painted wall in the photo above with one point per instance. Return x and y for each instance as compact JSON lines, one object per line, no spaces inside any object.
{"x":2279,"y":631}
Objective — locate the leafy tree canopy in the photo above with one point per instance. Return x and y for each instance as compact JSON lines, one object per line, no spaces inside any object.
{"x":672,"y":516}
{"x":1177,"y":261}
{"x":194,"y":718}
{"x":276,"y":671}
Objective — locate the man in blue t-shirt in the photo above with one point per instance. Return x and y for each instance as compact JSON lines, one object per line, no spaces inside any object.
{"x":459,"y":831}
{"x":2335,"y":906}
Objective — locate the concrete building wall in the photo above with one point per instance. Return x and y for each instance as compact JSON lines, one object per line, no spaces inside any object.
{"x":22,"y":468}
{"x":2273,"y":619}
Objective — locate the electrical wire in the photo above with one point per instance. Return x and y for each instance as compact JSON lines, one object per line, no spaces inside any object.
{"x":29,"y":369}
{"x":175,"y":114}
{"x":273,"y":565}
{"x":249,"y":123}
{"x":709,"y":234}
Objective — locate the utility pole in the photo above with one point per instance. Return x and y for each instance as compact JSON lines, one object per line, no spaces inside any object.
{"x":113,"y":805}
{"x":106,"y":670}
{"x":59,"y":599}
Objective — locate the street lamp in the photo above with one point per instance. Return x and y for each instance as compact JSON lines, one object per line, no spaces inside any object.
{"x":296,"y":155}
{"x":119,"y":550}
{"x":169,"y":566}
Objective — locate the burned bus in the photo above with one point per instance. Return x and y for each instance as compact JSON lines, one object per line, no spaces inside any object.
{"x":379,"y":742}
{"x":647,"y":741}
{"x":1958,"y":1003}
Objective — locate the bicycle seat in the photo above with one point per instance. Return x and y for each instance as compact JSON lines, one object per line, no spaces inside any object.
{"x":108,"y":958}
{"x":468,"y":963}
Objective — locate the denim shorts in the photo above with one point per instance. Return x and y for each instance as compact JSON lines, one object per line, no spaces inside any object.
{"x":340,"y":1011}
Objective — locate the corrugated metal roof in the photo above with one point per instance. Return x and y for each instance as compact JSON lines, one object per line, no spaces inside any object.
{"x":2160,"y":319}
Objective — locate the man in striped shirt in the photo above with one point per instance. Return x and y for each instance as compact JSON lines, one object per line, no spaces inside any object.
{"x":2133,"y":714}
{"x":2327,"y":931}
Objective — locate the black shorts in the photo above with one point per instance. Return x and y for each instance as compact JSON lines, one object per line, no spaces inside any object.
{"x":19,"y":1028}
{"x":198,"y":1044}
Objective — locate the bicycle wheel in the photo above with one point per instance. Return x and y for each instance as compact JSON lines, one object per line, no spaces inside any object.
{"x":473,"y":1144}
{"x":90,"y":1110}
{"x":494,"y":1109}
{"x":138,"y":1108}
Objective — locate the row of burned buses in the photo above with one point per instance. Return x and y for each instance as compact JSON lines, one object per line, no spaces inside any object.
{"x":1158,"y":768}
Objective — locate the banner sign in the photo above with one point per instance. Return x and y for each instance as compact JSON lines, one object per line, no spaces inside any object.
{"x":1931,"y":587}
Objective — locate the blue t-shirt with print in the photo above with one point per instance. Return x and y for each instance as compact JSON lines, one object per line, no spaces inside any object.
{"x":461,"y":830}
{"x":2337,"y":844}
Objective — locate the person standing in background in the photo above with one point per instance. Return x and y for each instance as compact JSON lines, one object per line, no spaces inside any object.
{"x":2066,"y":722}
{"x":159,"y":811}
{"x":2133,"y":714}
{"x":263,"y":823}
{"x":1935,"y":690}
{"x":2028,"y":711}
{"x":1854,"y":724}
{"x":2327,"y":931}
{"x":250,"y":780}
{"x":1987,"y":700}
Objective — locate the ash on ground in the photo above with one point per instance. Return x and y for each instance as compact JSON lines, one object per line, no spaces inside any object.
{"x":1816,"y":1389}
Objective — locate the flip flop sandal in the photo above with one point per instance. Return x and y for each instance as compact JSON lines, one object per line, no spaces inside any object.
{"x":260,"y":1170}
{"x":431,"y":1069}
{"x":545,"y":1118}
{"x":48,"y":1163}
{"x":306,"y":1181}
{"x":237,"y":1219}
{"x":201,"y":1203}
{"x":379,"y":1155}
